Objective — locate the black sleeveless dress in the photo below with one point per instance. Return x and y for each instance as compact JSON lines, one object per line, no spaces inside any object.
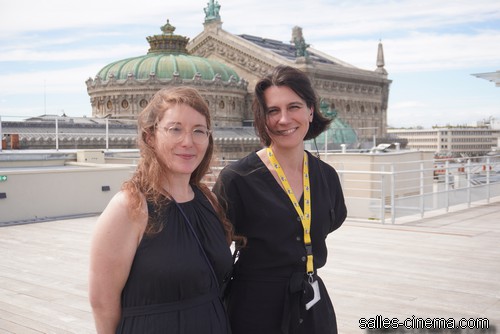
{"x":170,"y":288}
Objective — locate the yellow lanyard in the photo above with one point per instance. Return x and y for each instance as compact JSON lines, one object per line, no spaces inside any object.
{"x":305,"y":216}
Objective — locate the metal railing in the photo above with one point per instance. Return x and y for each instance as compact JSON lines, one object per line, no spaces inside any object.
{"x":382,"y":191}
{"x":394,"y":190}
{"x":57,"y":134}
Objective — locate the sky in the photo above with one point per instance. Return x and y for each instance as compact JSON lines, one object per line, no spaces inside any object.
{"x":49,"y":48}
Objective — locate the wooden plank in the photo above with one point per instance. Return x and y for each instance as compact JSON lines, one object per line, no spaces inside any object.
{"x":43,"y":277}
{"x":441,"y":266}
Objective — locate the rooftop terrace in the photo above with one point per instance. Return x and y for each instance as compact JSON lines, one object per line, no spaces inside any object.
{"x":443,"y":266}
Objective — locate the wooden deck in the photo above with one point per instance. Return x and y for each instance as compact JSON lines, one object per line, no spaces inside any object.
{"x":446,"y":266}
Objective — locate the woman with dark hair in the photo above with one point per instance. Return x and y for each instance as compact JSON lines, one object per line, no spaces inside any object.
{"x":161,"y":248}
{"x":285,"y":202}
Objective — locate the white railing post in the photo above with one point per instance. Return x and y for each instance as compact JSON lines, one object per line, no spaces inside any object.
{"x":107,"y":134}
{"x":382,"y":195}
{"x":488,"y":166}
{"x":326,"y":143}
{"x":469,"y":183}
{"x":447,"y":185}
{"x":393,"y":193}
{"x":57,"y":134}
{"x":422,"y":193}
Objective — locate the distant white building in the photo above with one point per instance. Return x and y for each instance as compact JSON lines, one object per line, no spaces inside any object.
{"x":452,"y":141}
{"x":491,"y":122}
{"x":495,"y":124}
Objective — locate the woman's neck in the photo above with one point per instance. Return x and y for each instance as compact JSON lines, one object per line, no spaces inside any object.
{"x":179,"y":188}
{"x":290,"y":159}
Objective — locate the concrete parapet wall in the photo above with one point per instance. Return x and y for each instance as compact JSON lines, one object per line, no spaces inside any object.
{"x":37,"y":194}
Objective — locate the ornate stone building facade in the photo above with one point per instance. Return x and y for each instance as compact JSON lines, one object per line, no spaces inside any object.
{"x":359,"y":97}
{"x":225,"y":67}
{"x":123,"y":88}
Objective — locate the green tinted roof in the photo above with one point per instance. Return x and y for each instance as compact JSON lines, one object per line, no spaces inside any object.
{"x":164,"y":66}
{"x":167,"y":57}
{"x":338,"y":133}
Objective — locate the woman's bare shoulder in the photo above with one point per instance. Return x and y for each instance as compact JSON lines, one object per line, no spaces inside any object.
{"x":120,"y":214}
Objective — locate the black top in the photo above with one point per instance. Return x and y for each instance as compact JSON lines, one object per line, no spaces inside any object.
{"x":260,"y":209}
{"x":170,"y":288}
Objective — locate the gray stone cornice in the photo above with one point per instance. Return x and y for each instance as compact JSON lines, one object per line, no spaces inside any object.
{"x":236,"y":51}
{"x":153,"y":83}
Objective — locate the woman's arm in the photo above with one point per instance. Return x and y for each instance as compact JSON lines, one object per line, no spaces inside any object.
{"x":114,"y":243}
{"x":330,"y":179}
{"x":340,"y":210}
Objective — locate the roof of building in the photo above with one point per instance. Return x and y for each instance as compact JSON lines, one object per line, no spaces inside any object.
{"x":491,"y":76}
{"x":167,"y":58}
{"x":288,"y":51}
{"x":167,"y":66}
{"x":43,"y":127}
{"x":447,"y":266}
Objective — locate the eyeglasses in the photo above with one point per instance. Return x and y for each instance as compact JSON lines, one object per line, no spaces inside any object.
{"x":176,"y":134}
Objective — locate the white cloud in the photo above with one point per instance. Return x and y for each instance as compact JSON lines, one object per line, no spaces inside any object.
{"x":407,"y":105}
{"x":414,"y":32}
{"x":418,"y":36}
{"x":421,"y":51}
{"x":118,"y":51}
{"x":71,"y":80}
{"x":30,"y":16}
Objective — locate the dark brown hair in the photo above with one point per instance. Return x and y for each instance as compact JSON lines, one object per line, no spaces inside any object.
{"x":297,"y":81}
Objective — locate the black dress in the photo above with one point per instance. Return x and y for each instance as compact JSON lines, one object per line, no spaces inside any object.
{"x":170,"y":289}
{"x":267,"y":295}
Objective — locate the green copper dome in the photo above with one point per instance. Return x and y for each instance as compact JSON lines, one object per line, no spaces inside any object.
{"x":166,"y":66}
{"x":167,"y":58}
